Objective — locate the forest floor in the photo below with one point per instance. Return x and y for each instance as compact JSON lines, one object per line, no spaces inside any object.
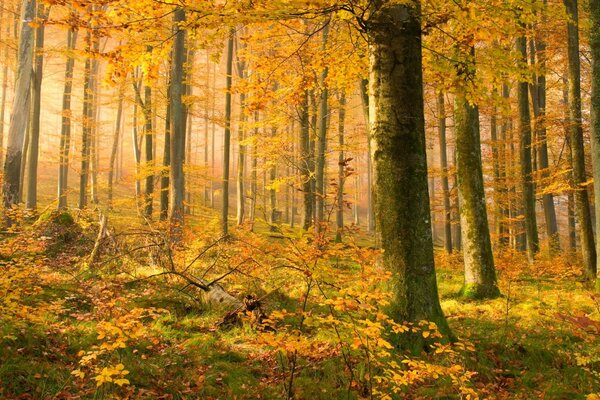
{"x":70,"y":328}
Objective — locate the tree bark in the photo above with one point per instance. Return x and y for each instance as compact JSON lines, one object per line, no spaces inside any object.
{"x":65,"y":132}
{"x":441,"y":108}
{"x":582,"y":205}
{"x":341,"y":168}
{"x":227,"y":135}
{"x":320,"y":188}
{"x":115,"y":147}
{"x":480,"y":274}
{"x":400,"y":162}
{"x":19,"y":118}
{"x":595,"y":51}
{"x":36,"y":102}
{"x":177,"y":137}
{"x":304,"y":161}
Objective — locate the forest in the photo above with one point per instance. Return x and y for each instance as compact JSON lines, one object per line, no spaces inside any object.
{"x":299,"y":199}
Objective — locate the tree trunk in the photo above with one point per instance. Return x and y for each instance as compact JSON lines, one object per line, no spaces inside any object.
{"x":595,"y":50}
{"x":305,"y":163}
{"x":115,"y":147}
{"x":227,"y":135}
{"x":4,"y":94}
{"x":341,"y":168}
{"x":93,"y":118}
{"x":86,"y":125}
{"x":480,"y":274}
{"x":582,"y":205}
{"x":527,"y":186}
{"x":320,"y":188}
{"x":36,"y":101}
{"x":241,"y":191}
{"x":19,"y":118}
{"x":400,"y":162}
{"x":365,"y":104}
{"x":444,"y":166}
{"x":164,"y":177}
{"x":178,"y":120}
{"x":65,"y":132}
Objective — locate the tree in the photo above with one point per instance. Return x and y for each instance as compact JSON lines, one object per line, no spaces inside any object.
{"x":178,"y":120}
{"x":480,"y":274}
{"x":18,"y":118}
{"x":341,"y":167}
{"x":400,"y":162}
{"x":227,"y":134}
{"x":441,"y":109}
{"x":38,"y":73}
{"x":115,"y":146}
{"x":582,"y":204}
{"x":65,"y":132}
{"x":595,"y":50}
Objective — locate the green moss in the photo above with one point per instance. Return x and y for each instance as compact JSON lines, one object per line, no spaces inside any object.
{"x":474,"y":291}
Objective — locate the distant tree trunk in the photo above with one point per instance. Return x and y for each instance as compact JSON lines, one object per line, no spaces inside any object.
{"x":19,"y":118}
{"x":65,"y":132}
{"x":94,"y":125}
{"x":241,"y":191}
{"x":595,"y":50}
{"x":457,"y":231}
{"x":189,"y":90}
{"x":273,"y":191}
{"x":178,"y":120}
{"x":321,"y":189}
{"x":149,"y":152}
{"x":227,"y":135}
{"x":253,"y":172}
{"x":147,"y":109}
{"x":341,"y":168}
{"x":4,"y":94}
{"x":503,"y":210}
{"x":137,"y":156}
{"x":305,"y":163}
{"x":365,"y":103}
{"x":213,"y":134}
{"x":206,"y":131}
{"x":582,"y":205}
{"x":164,"y":178}
{"x":480,"y":274}
{"x":527,"y":186}
{"x":114,"y":148}
{"x":441,"y":108}
{"x":38,"y":73}
{"x":86,"y":125}
{"x":398,"y":135}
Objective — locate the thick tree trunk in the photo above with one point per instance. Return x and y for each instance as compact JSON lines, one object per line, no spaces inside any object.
{"x":241,"y":170}
{"x":400,"y":162}
{"x":19,"y":117}
{"x":441,"y":109}
{"x":527,"y":186}
{"x":65,"y":132}
{"x":36,"y":102}
{"x":227,"y":134}
{"x":582,"y":205}
{"x":178,"y":120}
{"x":595,"y":50}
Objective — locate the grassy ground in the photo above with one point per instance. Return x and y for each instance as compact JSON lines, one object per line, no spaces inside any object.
{"x":540,"y":339}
